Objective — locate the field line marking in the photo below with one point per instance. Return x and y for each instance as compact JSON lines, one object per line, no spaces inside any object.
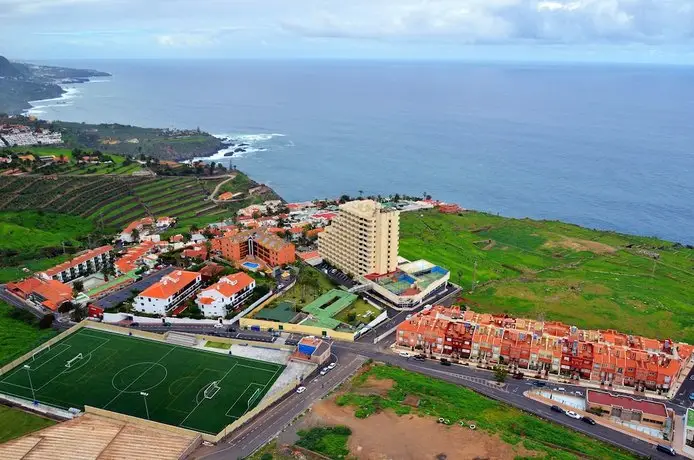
{"x":138,"y":377}
{"x":52,"y":357}
{"x":261,"y":369}
{"x":65,"y":369}
{"x":240,"y":396}
{"x":203,"y":399}
{"x":193,"y":379}
{"x":15,"y":385}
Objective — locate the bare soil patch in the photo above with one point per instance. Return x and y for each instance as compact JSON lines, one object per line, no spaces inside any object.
{"x":374,"y":386}
{"x":578,"y":245}
{"x":385,"y":436}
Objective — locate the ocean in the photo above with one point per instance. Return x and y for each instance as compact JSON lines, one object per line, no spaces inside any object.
{"x":609,"y":147}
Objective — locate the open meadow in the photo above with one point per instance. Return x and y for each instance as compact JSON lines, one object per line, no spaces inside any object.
{"x":558,"y":271}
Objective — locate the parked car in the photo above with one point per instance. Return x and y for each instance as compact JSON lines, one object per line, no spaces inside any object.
{"x":578,"y":393}
{"x":518,"y":376}
{"x":667,"y":449}
{"x":539,"y":384}
{"x":557,"y":409}
{"x":218,"y":325}
{"x":573,"y":414}
{"x":420,"y":358}
{"x":445,"y":362}
{"x":300,"y":390}
{"x":324,"y":371}
{"x":691,"y":396}
{"x":588,"y":420}
{"x":134,"y":324}
{"x":404,"y":354}
{"x":561,"y":389}
{"x":332,"y":365}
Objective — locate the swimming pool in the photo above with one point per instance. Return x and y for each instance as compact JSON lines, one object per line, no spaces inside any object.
{"x":250,"y":266}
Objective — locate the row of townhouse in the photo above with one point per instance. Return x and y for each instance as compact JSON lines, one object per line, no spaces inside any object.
{"x":606,"y":357}
{"x":84,"y":263}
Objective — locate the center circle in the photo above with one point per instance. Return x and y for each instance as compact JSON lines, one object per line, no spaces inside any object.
{"x":139,"y":377}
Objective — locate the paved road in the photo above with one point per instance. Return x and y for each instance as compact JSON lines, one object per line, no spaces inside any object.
{"x":113,"y":299}
{"x":268,"y":424}
{"x":512,"y":394}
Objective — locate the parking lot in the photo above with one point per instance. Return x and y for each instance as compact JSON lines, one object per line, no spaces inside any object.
{"x":113,"y":299}
{"x":336,"y":275}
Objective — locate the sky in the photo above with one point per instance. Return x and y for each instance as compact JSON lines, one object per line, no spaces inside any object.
{"x":636,"y":31}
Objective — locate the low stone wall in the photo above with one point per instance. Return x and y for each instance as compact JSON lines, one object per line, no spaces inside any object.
{"x":125,"y":331}
{"x":141,"y":422}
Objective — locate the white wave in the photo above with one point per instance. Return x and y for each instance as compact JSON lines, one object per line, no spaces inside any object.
{"x":247,"y":138}
{"x":70,"y":93}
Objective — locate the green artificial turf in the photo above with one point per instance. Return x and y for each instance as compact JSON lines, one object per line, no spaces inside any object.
{"x":115,"y":369}
{"x":558,"y":271}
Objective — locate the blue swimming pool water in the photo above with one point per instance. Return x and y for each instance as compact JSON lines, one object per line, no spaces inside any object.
{"x":252,"y":265}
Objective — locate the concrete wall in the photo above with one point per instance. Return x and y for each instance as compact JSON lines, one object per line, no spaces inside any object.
{"x":298,"y":328}
{"x":141,"y":422}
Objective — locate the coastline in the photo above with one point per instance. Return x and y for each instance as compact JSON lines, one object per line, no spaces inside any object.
{"x":68,"y":93}
{"x":240,"y":145}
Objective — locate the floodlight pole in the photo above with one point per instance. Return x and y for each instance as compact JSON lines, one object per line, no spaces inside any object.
{"x":144,"y":396}
{"x":28,"y":368}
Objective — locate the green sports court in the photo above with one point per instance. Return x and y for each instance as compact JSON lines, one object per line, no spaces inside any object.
{"x":186,"y":387}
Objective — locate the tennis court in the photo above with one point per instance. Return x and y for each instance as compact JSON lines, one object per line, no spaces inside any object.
{"x":195,"y":389}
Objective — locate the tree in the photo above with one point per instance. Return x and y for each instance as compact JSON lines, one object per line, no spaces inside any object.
{"x":77,"y":287}
{"x":46,"y":321}
{"x":500,"y":374}
{"x":135,"y":234}
{"x":351,"y":316}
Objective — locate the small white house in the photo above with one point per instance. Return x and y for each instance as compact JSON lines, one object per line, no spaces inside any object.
{"x":230,"y":291}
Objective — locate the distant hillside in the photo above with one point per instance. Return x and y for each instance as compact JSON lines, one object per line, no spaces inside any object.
{"x":7,"y":69}
{"x":21,"y":83}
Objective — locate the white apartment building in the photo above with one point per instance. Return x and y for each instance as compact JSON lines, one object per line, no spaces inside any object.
{"x":84,"y":263}
{"x":362,"y":239}
{"x":225,"y":295}
{"x":168,"y":293}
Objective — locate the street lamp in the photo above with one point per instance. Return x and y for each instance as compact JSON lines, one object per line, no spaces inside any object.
{"x":28,"y":368}
{"x":144,"y":396}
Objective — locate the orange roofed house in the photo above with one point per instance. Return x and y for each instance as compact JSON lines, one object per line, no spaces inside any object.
{"x":225,"y":295}
{"x":546,"y":347}
{"x":169,"y":292}
{"x":48,"y":293}
{"x":82,"y":264}
{"x":255,"y":244}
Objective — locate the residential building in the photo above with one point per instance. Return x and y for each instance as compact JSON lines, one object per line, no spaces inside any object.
{"x":134,"y":257}
{"x":225,"y":295}
{"x":608,"y":358}
{"x":629,"y":409}
{"x":257,"y":244}
{"x":312,"y":349}
{"x":362,"y":239}
{"x":140,"y":225}
{"x":170,"y":291}
{"x":410,"y":284}
{"x":48,"y":293}
{"x":82,"y":264}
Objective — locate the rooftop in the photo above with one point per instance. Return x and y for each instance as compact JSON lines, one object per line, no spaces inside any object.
{"x":170,"y":284}
{"x":627,"y":402}
{"x":229,"y":285}
{"x":78,"y":259}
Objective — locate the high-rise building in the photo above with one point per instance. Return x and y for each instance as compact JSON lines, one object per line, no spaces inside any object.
{"x":362,"y":239}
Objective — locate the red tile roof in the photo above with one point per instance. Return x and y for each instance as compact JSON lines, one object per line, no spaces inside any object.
{"x":230,"y":284}
{"x":82,"y":257}
{"x":627,"y":402}
{"x":170,"y":284}
{"x":54,"y":292}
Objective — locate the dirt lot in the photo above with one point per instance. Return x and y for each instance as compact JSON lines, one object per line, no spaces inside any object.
{"x":385,"y":436}
{"x":374,"y":386}
{"x":581,"y":245}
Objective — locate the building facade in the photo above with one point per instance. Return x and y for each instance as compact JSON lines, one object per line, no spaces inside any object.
{"x":225,"y":295}
{"x":629,"y":409}
{"x":169,"y":292}
{"x":82,"y":264}
{"x":258,"y":244}
{"x":608,"y":358}
{"x":362,"y":238}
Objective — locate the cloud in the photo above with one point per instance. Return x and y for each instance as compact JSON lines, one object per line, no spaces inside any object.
{"x":485,"y":21}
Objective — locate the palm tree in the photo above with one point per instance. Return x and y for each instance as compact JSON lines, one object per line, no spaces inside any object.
{"x":361,"y":193}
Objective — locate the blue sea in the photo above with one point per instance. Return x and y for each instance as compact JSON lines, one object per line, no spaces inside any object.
{"x":609,"y":147}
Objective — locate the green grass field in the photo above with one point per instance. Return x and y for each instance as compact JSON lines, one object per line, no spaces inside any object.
{"x":114,"y":369}
{"x":457,"y":403}
{"x":18,"y":336}
{"x":586,"y":278}
{"x":15,"y":423}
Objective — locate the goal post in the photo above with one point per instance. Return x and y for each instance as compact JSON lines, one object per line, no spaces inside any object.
{"x":252,"y":399}
{"x":73,"y":360}
{"x":35,"y":354}
{"x":211,"y":390}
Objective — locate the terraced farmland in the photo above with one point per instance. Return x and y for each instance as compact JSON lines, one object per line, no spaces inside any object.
{"x":111,"y":200}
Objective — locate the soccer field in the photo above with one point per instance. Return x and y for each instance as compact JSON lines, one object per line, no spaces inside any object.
{"x":195,"y":389}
